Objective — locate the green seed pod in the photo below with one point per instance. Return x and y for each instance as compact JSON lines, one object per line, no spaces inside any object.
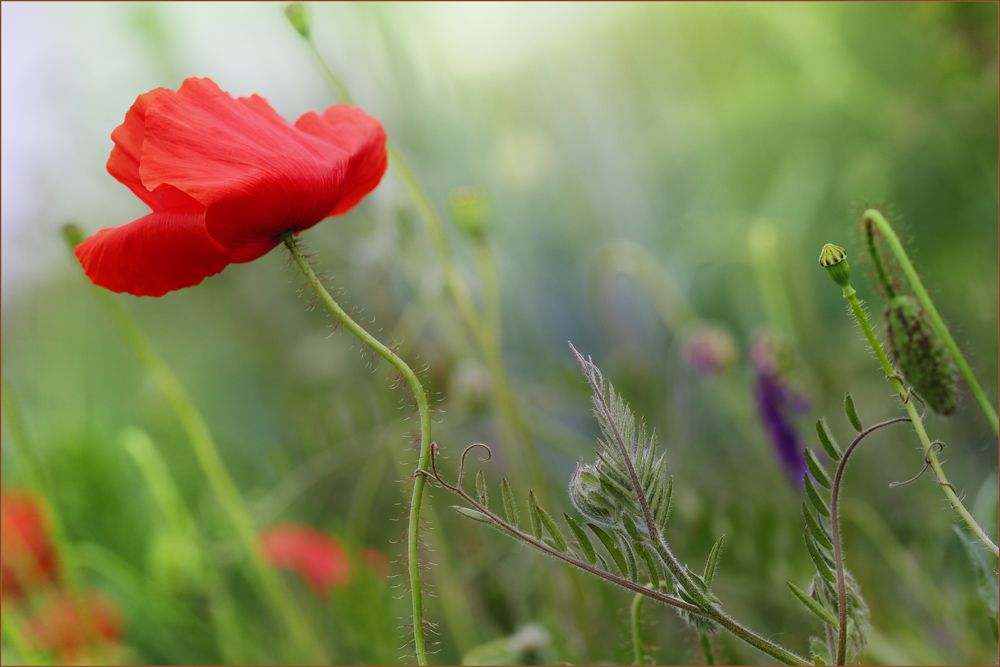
{"x":921,"y":354}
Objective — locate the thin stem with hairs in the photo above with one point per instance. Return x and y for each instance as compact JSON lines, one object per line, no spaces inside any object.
{"x":423,"y":410}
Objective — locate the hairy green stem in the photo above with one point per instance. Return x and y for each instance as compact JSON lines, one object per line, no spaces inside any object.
{"x":873,"y":216}
{"x":484,"y":331}
{"x":850,"y":294}
{"x":207,"y":455}
{"x":838,"y":556}
{"x":890,"y":291}
{"x":637,"y":655}
{"x":423,"y":409}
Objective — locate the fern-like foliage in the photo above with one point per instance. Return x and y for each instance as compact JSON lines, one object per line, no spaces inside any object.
{"x":606,"y":491}
{"x":624,"y":498}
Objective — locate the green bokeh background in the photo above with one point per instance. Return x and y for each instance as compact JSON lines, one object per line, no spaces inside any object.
{"x":680,"y":128}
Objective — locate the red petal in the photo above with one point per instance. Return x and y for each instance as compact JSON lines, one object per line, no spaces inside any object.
{"x":124,"y":161}
{"x":28,"y":558}
{"x":59,"y":626}
{"x":259,"y":176}
{"x":321,"y":560}
{"x":159,"y":252}
{"x":360,"y":136}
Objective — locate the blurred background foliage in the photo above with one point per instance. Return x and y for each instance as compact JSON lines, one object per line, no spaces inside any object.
{"x":726,"y":142}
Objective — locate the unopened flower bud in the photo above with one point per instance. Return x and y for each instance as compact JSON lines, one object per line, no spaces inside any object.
{"x":921,"y":354}
{"x":470,"y":209}
{"x":834,"y":259}
{"x":709,"y":349}
{"x":298,"y":16}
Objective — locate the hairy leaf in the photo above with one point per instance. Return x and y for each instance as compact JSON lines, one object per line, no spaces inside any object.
{"x":581,"y":538}
{"x":852,"y":413}
{"x":609,"y":544}
{"x":713,"y":558}
{"x":816,"y":470}
{"x":815,"y":607}
{"x":509,"y":504}
{"x":827,"y":440}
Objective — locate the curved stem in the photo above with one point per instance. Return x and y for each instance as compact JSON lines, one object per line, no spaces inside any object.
{"x":637,"y":656}
{"x":481,"y":328}
{"x":423,"y":409}
{"x":838,"y":556}
{"x":872,"y":216}
{"x":851,"y":296}
{"x":890,"y":291}
{"x":207,"y":455}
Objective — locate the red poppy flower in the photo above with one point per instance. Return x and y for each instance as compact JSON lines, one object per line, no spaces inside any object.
{"x":28,"y":557}
{"x":225,"y":178}
{"x":320,"y":559}
{"x":375,"y":559}
{"x":66,"y":628}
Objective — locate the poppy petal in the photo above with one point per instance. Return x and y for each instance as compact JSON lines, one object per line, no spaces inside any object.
{"x":259,"y":175}
{"x":123,"y":163}
{"x":319,"y":558}
{"x":159,"y":252}
{"x":270,"y":177}
{"x":360,"y":136}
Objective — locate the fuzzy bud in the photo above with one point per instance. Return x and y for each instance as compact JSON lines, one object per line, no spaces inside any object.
{"x":588,"y":497}
{"x":834,"y":259}
{"x":921,"y":354}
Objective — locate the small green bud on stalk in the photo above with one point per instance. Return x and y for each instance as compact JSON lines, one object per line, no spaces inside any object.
{"x":470,"y":209}
{"x":834,"y":259}
{"x":298,"y":16}
{"x":921,"y":354}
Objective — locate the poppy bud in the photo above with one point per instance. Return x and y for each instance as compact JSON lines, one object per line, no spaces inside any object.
{"x":921,"y":354}
{"x":470,"y":208}
{"x":709,"y":349}
{"x":834,"y":259}
{"x":298,"y":16}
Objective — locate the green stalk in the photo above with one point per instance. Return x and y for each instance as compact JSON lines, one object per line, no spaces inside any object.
{"x":873,"y":216}
{"x":706,"y":648}
{"x":182,"y":526}
{"x":850,"y":294}
{"x":423,"y":460}
{"x":207,"y":455}
{"x":637,"y":656}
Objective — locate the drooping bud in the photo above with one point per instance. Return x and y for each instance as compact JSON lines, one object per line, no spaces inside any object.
{"x":298,"y":16}
{"x":834,"y":259}
{"x":921,"y":354}
{"x":470,"y":209}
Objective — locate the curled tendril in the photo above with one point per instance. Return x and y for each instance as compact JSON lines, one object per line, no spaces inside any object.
{"x":909,"y":392}
{"x":927,"y":464}
{"x":461,"y":465}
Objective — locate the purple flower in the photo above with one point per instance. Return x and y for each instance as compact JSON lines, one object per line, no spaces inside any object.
{"x":777,"y":406}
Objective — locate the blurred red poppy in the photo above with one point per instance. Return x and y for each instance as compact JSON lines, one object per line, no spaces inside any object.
{"x":27,"y":557}
{"x":320,"y":559}
{"x":225,"y":178}
{"x":67,"y":628}
{"x":375,"y":559}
